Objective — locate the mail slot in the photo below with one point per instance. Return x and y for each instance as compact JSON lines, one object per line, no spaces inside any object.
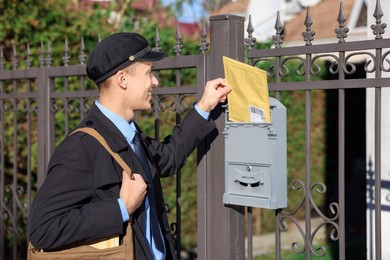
{"x":256,"y":161}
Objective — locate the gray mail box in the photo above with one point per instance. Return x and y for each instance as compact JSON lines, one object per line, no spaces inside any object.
{"x":255,"y":161}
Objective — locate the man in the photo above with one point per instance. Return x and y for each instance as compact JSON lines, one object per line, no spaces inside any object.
{"x":86,"y":196}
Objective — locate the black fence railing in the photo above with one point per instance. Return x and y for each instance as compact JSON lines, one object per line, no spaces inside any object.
{"x":40,"y":105}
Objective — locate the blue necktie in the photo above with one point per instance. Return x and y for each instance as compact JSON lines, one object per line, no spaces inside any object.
{"x":154,"y":225}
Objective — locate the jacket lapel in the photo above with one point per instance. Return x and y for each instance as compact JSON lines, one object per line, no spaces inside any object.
{"x":117,"y":142}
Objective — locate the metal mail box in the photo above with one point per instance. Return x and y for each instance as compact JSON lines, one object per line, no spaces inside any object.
{"x":255,"y":161}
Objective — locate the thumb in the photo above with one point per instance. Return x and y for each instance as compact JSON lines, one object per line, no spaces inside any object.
{"x":125,"y":177}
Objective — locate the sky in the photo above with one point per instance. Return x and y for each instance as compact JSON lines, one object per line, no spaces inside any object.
{"x":191,"y":13}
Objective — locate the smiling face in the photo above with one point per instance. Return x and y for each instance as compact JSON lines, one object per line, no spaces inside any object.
{"x":140,"y":84}
{"x":129,"y":90}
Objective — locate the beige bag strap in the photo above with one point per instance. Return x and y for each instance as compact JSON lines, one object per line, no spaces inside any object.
{"x":101,"y":139}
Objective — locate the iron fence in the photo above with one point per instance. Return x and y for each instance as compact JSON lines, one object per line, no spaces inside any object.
{"x":39,"y":105}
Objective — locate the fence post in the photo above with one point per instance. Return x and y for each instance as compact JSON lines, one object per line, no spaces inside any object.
{"x":43,"y":125}
{"x":221,"y":229}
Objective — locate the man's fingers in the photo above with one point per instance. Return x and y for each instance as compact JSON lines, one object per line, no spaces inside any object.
{"x":215,"y":92}
{"x":225,"y":90}
{"x":137,"y":177}
{"x":125,"y":176}
{"x":222,"y":86}
{"x":221,"y":83}
{"x":216,"y":83}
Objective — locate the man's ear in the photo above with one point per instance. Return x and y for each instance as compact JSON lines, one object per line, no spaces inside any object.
{"x":121,"y":79}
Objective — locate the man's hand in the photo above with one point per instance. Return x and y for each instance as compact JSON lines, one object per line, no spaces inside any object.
{"x":215,"y":92}
{"x":133,"y":191}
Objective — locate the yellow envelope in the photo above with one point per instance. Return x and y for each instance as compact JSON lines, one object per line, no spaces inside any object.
{"x":248,"y":101}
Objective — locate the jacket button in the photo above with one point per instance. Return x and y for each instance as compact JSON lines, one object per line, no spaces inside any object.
{"x":89,"y":123}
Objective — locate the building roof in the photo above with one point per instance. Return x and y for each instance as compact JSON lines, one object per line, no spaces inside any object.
{"x":144,"y":5}
{"x":324,"y":17}
{"x":237,"y":7}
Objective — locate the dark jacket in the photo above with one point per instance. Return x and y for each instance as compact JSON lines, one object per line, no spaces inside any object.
{"x":77,"y":203}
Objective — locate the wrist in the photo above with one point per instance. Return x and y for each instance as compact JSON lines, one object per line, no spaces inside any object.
{"x":203,"y":106}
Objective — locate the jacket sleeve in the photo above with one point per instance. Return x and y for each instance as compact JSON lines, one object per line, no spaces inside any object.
{"x":170,"y":155}
{"x":66,"y":210}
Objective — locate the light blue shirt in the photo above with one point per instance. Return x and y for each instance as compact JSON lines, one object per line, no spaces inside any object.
{"x":128,"y":131}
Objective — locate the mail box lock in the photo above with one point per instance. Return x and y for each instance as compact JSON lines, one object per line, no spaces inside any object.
{"x":256,"y":161}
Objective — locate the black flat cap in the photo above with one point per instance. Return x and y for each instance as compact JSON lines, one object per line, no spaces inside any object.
{"x":116,"y":52}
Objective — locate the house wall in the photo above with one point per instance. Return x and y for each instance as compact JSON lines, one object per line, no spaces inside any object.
{"x":263,"y":15}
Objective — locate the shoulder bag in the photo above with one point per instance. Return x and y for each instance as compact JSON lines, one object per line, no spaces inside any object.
{"x":106,"y":249}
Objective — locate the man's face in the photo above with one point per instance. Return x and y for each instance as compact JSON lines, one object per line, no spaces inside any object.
{"x":140,"y":85}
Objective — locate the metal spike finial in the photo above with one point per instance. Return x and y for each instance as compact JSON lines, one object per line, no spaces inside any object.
{"x":15,"y":60}
{"x":342,"y":31}
{"x":28,"y":57}
{"x":66,"y":56}
{"x":250,"y":28}
{"x":156,"y":41}
{"x":82,"y":56}
{"x":179,"y":46}
{"x":42,"y":56}
{"x":250,"y":41}
{"x":1,"y":58}
{"x":378,"y":28}
{"x":279,"y":36}
{"x":308,"y":36}
{"x":48,"y":58}
{"x":341,"y":18}
{"x":203,"y":45}
{"x":378,"y":13}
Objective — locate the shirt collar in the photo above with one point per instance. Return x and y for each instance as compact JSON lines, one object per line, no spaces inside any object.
{"x":126,"y":128}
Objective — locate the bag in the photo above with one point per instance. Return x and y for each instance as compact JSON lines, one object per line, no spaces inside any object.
{"x":108,"y":249}
{"x":88,"y":252}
